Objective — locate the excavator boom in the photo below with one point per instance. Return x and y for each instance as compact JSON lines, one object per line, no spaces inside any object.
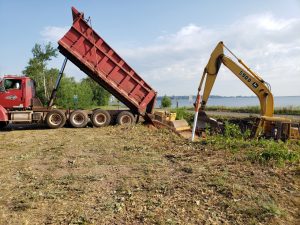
{"x":248,"y":77}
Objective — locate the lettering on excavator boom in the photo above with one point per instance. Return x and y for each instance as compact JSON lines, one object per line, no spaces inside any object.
{"x":244,"y":75}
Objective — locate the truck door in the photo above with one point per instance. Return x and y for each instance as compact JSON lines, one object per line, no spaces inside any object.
{"x":12,"y":97}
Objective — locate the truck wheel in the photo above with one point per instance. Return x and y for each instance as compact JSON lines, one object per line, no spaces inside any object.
{"x":125,"y":118}
{"x":78,"y":119}
{"x":55,"y":119}
{"x":100,"y":118}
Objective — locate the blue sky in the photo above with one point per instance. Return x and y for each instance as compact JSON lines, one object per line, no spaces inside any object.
{"x":168,"y":42}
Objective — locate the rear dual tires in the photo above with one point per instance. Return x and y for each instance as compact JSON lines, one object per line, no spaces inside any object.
{"x":55,"y":119}
{"x":125,"y":118}
{"x":78,"y":119}
{"x":100,"y":118}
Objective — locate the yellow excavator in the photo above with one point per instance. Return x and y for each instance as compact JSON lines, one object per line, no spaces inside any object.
{"x":267,"y":125}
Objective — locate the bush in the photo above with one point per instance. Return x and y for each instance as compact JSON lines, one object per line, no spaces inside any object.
{"x":166,"y":102}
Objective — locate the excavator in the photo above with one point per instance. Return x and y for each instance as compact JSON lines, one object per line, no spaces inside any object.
{"x":266,"y":125}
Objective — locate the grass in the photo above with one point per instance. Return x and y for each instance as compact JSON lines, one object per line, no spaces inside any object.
{"x":272,"y":209}
{"x":260,"y":150}
{"x":141,"y":175}
{"x":262,"y":210}
{"x":256,"y":150}
{"x":289,"y":110}
{"x":183,"y":113}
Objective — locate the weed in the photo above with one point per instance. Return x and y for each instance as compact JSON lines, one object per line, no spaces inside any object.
{"x":262,"y":150}
{"x":269,"y":150}
{"x":272,"y":209}
{"x":262,"y":210}
{"x":183,"y":113}
{"x":232,"y":130}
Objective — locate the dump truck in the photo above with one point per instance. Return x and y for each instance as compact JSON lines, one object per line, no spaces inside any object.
{"x":90,"y":53}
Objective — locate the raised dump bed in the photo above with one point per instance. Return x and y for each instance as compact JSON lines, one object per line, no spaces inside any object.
{"x":88,"y":51}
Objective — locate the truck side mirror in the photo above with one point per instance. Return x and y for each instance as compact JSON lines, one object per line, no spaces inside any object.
{"x":2,"y":89}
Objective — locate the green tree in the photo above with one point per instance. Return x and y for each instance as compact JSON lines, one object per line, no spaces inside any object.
{"x":100,"y":95}
{"x":37,"y":69}
{"x":68,"y":88}
{"x":166,"y":102}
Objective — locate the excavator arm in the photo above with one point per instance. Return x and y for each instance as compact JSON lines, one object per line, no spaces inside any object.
{"x":256,"y":84}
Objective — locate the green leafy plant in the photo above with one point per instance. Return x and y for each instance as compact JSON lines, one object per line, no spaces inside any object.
{"x":256,"y":150}
{"x":166,"y":102}
{"x":269,"y":150}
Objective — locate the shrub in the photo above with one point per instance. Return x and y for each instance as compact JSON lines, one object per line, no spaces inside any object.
{"x":166,"y":102}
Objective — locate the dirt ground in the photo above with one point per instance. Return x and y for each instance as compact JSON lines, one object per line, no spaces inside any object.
{"x":137,"y":175}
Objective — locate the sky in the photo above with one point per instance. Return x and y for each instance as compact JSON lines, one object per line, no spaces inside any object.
{"x":167,"y":42}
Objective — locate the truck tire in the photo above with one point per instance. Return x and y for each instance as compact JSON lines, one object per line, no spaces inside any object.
{"x":125,"y":118}
{"x":100,"y":118}
{"x":55,"y":119}
{"x":78,"y":119}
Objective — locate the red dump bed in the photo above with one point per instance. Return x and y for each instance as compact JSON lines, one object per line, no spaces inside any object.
{"x":86,"y":49}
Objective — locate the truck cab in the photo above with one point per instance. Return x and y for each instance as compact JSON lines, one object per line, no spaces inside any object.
{"x":17,"y":99}
{"x":17,"y":92}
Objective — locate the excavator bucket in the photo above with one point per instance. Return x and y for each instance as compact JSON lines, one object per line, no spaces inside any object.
{"x":204,"y":120}
{"x":179,"y":125}
{"x":163,"y":119}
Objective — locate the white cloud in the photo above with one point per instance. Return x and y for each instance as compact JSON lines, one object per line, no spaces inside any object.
{"x":269,"y":45}
{"x":53,"y":33}
{"x":268,"y":22}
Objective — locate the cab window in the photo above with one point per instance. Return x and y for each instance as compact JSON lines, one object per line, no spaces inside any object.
{"x":12,"y":84}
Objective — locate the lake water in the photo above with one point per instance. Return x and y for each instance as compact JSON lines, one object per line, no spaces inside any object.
{"x":280,"y":101}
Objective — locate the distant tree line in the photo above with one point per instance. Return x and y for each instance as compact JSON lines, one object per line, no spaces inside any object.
{"x":87,"y":91}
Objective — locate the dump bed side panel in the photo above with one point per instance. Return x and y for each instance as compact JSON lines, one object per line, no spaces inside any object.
{"x":86,"y":49}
